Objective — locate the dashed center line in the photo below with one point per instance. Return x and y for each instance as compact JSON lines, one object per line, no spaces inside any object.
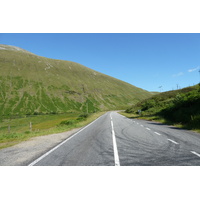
{"x":157,"y":133}
{"x":172,"y":141}
{"x":117,"y":158}
{"x":195,"y":153}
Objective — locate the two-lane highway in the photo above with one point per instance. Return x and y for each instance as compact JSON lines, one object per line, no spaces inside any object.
{"x":116,"y":140}
{"x":91,"y":146}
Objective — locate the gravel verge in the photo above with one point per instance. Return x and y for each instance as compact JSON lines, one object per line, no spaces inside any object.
{"x":24,"y":153}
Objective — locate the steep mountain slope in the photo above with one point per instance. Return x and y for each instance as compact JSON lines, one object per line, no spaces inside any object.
{"x":31,"y":84}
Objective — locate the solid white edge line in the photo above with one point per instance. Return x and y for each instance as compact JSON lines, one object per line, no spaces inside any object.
{"x":116,"y":156}
{"x":47,"y":153}
{"x":195,"y":153}
{"x":172,"y":141}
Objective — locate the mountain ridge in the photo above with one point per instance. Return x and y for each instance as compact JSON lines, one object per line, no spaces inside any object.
{"x":14,"y":48}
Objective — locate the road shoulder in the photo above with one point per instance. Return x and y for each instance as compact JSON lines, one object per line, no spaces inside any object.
{"x":25,"y":152}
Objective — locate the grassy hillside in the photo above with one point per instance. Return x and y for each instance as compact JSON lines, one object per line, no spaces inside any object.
{"x":177,"y":107}
{"x":31,"y":84}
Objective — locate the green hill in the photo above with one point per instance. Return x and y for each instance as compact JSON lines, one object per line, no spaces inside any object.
{"x":177,"y":107}
{"x":31,"y":84}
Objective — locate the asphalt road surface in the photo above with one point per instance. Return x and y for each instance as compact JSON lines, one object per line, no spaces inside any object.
{"x":114,"y":140}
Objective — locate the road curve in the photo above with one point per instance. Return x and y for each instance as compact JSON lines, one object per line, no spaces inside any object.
{"x":114,"y":140}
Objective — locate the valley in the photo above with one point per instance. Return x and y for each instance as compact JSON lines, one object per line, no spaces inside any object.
{"x":38,"y":93}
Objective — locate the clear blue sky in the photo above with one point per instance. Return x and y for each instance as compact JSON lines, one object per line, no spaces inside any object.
{"x":145,"y":60}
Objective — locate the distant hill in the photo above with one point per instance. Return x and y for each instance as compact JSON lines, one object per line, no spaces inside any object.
{"x":31,"y":84}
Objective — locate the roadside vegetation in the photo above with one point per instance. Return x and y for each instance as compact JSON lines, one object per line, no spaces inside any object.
{"x":178,"y":107}
{"x":14,"y":129}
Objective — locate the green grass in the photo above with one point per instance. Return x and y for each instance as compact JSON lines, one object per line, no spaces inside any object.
{"x":160,"y":119}
{"x":41,"y":125}
{"x":179,"y":108}
{"x":34,"y":84}
{"x":145,"y":117}
{"x":39,"y":90}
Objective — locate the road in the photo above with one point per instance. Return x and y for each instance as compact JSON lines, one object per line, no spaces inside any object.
{"x":114,"y":140}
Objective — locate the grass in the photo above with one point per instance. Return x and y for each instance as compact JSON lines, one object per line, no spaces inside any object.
{"x":145,"y":117}
{"x":34,"y":84}
{"x":179,"y":108}
{"x":159,"y":119}
{"x":37,"y":89}
{"x":41,"y":125}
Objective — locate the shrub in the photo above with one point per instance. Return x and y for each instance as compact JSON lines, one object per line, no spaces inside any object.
{"x":82,"y":117}
{"x":67,"y":122}
{"x":148,"y":104}
{"x":27,"y":132}
{"x":85,"y":115}
{"x":129,"y":110}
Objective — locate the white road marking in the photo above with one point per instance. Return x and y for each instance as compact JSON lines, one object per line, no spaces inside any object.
{"x":141,"y":125}
{"x":172,"y":141}
{"x":157,"y":133}
{"x":116,"y":156}
{"x":137,"y":123}
{"x":56,"y":147}
{"x":195,"y":153}
{"x":148,"y":129}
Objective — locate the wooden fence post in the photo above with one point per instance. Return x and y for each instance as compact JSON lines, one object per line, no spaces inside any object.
{"x":9,"y":128}
{"x":30,"y":126}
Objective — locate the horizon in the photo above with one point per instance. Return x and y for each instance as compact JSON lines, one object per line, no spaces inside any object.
{"x":156,"y":62}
